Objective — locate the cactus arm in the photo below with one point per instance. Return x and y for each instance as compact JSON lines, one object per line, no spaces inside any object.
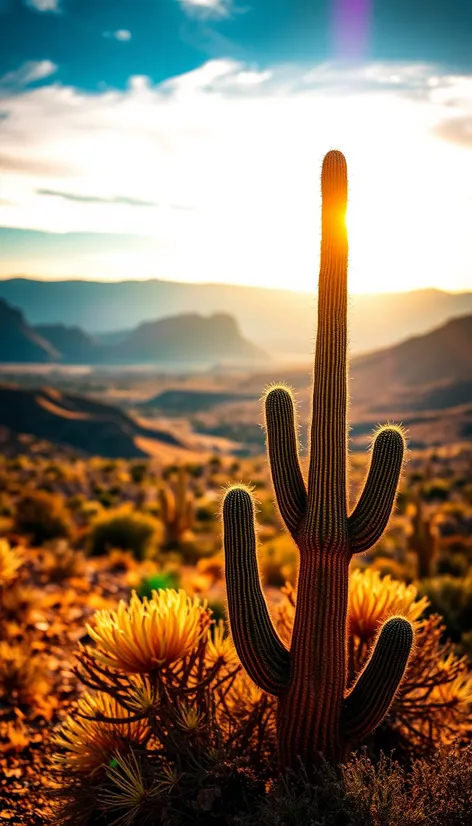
{"x":370,"y":517}
{"x":326,"y":521}
{"x":282,"y":447}
{"x":369,"y":701}
{"x":260,"y":650}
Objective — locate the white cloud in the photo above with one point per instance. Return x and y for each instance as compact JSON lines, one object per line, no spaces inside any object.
{"x":120,"y":34}
{"x":208,"y":8}
{"x":239,"y":151}
{"x":29,"y":72}
{"x":44,"y":5}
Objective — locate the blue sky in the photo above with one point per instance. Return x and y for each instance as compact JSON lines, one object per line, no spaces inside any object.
{"x":170,"y":37}
{"x":183,"y":138}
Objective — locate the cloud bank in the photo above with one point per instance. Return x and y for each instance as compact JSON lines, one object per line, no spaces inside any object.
{"x":44,"y":5}
{"x":208,"y":8}
{"x":27,"y":73}
{"x":219,"y":167}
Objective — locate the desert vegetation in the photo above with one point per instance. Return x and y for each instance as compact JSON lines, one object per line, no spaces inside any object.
{"x":322,"y":674}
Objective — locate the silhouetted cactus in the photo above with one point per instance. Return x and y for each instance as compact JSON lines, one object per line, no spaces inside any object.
{"x":424,"y":540}
{"x":317,"y":712}
{"x":177,"y":509}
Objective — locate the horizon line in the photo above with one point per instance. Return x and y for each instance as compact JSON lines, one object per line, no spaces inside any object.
{"x":110,"y":281}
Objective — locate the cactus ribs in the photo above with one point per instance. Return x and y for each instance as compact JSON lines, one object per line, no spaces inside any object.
{"x":318,"y":713}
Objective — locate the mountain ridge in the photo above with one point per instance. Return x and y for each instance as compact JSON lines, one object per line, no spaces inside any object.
{"x":185,"y":339}
{"x":376,"y":320}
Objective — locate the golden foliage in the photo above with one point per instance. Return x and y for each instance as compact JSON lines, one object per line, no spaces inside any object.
{"x":220,"y":648}
{"x":11,"y":560}
{"x":433,"y":705}
{"x":373,"y":599}
{"x":88,"y":739}
{"x":24,"y":678}
{"x":149,"y":634}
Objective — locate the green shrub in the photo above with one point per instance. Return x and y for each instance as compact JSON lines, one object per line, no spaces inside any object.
{"x":163,"y":579}
{"x":125,"y":529}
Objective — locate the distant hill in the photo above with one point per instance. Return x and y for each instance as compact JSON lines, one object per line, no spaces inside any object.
{"x":279,"y":321}
{"x":74,"y":346}
{"x":19,"y":342}
{"x":186,"y":338}
{"x":443,"y":355}
{"x":425,"y":382}
{"x":73,"y":420}
{"x":182,"y":402}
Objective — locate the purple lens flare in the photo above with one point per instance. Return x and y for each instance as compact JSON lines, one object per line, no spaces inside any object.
{"x":351,"y":28}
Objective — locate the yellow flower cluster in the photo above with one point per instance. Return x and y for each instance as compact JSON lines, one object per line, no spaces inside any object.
{"x":373,"y":599}
{"x":90,"y":743}
{"x":151,"y":633}
{"x":220,"y":648}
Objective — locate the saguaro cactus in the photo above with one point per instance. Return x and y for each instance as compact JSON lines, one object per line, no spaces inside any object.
{"x":424,"y":539}
{"x":177,"y":509}
{"x":317,"y":712}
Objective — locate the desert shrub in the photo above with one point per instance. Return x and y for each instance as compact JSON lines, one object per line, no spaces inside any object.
{"x":455,"y":564}
{"x":205,"y":511}
{"x":125,"y":529}
{"x":278,"y":561}
{"x":438,"y":490}
{"x":174,"y":733}
{"x":452,"y":598}
{"x":42,"y":516}
{"x":60,"y":562}
{"x":138,"y":472}
{"x":24,"y":677}
{"x":192,"y":741}
{"x":434,"y":792}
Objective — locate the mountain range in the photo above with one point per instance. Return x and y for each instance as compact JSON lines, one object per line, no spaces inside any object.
{"x":425,"y":383}
{"x":183,"y":340}
{"x":278,"y":321}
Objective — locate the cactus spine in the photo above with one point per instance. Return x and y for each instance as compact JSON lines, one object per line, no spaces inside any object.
{"x":317,"y":712}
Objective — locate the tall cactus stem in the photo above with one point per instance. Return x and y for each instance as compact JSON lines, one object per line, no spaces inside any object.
{"x":316,"y":713}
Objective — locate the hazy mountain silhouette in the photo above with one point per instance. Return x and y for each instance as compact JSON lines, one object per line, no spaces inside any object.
{"x":186,"y":338}
{"x":19,"y":342}
{"x":73,"y":345}
{"x":443,"y":355}
{"x":425,"y":382}
{"x":280,"y":321}
{"x":180,"y":340}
